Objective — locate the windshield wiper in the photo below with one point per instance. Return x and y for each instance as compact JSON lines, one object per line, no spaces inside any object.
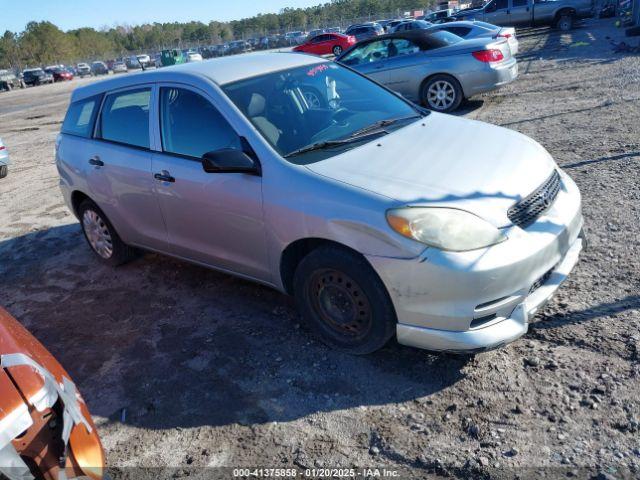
{"x":333,"y":143}
{"x":381,"y":124}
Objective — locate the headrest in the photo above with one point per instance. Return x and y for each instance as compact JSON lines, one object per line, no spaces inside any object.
{"x":256,"y":105}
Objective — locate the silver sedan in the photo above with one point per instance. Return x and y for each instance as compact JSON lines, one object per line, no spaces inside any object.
{"x":438,"y":70}
{"x":473,"y":29}
{"x":4,"y":160}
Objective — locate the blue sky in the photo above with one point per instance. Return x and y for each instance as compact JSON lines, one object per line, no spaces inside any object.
{"x":69,"y":14}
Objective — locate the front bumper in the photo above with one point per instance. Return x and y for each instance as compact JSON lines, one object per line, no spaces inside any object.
{"x":4,"y":159}
{"x":483,"y":299}
{"x":500,"y":332}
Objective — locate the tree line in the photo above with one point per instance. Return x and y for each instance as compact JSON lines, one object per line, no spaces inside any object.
{"x":44,"y":43}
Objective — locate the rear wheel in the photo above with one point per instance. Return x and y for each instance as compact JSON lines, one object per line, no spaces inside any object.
{"x":442,"y":93}
{"x":565,"y":22}
{"x":102,"y":237}
{"x":4,"y":171}
{"x":344,"y":301}
{"x":337,"y":50}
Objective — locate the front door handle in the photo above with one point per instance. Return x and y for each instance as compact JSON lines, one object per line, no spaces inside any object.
{"x":164,"y":176}
{"x":96,"y":162}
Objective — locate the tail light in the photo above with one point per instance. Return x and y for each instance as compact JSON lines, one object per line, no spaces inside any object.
{"x":488,"y":56}
{"x":504,"y":35}
{"x":2,"y":147}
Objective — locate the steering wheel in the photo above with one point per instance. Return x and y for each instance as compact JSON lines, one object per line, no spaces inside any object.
{"x":340,"y":115}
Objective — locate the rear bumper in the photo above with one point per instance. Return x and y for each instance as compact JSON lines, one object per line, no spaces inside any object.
{"x":498,"y":333}
{"x":492,"y":77}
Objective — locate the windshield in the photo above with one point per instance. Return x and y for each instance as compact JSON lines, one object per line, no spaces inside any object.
{"x":296,"y":108}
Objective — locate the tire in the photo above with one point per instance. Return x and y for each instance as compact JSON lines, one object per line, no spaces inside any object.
{"x":4,"y":171}
{"x":102,"y":237}
{"x":337,"y":50}
{"x":343,"y":301}
{"x":632,"y":31}
{"x":565,"y":23}
{"x":430,"y":93}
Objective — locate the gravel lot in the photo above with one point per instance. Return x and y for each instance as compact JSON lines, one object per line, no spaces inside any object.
{"x":185,"y":367}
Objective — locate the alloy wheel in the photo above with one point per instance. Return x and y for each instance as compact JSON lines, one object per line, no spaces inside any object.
{"x":441,"y":95}
{"x":97,"y":233}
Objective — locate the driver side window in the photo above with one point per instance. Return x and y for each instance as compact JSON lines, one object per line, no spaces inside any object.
{"x":191,"y":125}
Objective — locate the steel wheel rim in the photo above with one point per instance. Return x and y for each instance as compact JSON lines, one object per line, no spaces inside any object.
{"x":441,"y":95}
{"x":98,"y":234}
{"x":337,"y":50}
{"x":340,"y":303}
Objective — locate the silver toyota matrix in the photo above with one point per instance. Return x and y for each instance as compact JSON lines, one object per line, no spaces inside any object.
{"x":379,"y":217}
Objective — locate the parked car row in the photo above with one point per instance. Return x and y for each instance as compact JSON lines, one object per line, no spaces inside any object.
{"x":435,"y":65}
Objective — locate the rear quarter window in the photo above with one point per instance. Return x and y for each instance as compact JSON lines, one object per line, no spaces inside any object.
{"x":80,"y":117}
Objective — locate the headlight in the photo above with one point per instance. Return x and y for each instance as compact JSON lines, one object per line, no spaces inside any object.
{"x":444,"y":228}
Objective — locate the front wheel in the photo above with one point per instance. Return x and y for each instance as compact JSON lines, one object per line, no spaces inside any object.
{"x":102,"y":237}
{"x":442,"y":93}
{"x":344,"y":301}
{"x":337,"y":50}
{"x":4,"y":171}
{"x":565,"y":23}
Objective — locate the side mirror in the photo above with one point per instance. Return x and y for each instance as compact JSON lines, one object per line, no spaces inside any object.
{"x":229,"y":160}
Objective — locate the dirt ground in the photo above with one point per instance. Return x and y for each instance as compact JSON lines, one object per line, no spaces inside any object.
{"x":184,"y":367}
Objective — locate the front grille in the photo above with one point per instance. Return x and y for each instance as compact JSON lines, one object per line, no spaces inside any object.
{"x":528,"y":210}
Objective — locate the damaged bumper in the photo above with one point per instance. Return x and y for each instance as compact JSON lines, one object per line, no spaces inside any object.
{"x":46,"y":430}
{"x":483,"y":299}
{"x":499,"y":330}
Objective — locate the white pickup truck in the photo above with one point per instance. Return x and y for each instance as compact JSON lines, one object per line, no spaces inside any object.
{"x":561,"y":14}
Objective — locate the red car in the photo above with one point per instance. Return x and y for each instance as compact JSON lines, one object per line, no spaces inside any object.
{"x":59,"y":74}
{"x":326,"y":44}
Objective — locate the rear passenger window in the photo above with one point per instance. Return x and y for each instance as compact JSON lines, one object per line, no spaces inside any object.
{"x":460,"y":31}
{"x":400,"y":46}
{"x":125,"y":118}
{"x":192,"y":126}
{"x":80,"y":117}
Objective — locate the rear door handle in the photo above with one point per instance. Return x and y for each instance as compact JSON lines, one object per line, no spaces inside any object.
{"x":96,"y":162}
{"x":164,"y":176}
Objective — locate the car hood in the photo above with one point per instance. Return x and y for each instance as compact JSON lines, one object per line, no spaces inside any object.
{"x":447,"y":161}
